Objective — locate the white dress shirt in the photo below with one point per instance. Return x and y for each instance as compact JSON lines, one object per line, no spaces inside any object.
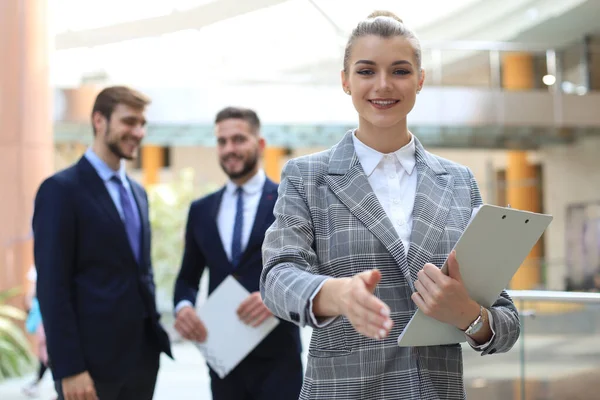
{"x":393,"y":178}
{"x":106,"y":173}
{"x":394,"y":181}
{"x":251,"y":192}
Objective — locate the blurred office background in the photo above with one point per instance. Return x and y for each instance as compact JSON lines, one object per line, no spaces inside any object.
{"x":512,"y":91}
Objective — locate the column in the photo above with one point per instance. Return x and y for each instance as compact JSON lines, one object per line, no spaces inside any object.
{"x":273,"y":158}
{"x":26,"y":141}
{"x":153,"y":160}
{"x":522,"y":180}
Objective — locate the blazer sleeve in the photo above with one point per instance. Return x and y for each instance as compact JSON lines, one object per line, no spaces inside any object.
{"x":505,"y":315}
{"x":55,"y":235}
{"x":287,"y":283}
{"x":192,"y":265}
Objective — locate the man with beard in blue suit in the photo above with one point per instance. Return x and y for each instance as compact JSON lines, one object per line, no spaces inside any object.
{"x":94,"y":273}
{"x":225,"y":232}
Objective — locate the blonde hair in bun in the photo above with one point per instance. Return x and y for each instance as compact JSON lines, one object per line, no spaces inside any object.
{"x":384,"y":24}
{"x":383,"y":13}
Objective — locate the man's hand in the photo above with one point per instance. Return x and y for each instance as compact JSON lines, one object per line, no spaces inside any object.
{"x":445,"y":298}
{"x":189,"y":325}
{"x":79,"y":387}
{"x":368,"y":314}
{"x":253,"y":311}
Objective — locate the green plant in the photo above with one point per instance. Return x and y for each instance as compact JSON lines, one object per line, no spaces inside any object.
{"x":15,"y":354}
{"x":169,"y":205}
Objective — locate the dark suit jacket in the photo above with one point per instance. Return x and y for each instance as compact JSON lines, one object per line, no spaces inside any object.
{"x":93,"y":294}
{"x":203,"y":247}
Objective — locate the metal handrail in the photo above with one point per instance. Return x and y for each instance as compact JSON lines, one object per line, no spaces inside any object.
{"x":519,"y":296}
{"x":558,"y":296}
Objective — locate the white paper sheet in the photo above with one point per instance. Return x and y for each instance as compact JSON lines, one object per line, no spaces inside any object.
{"x":229,"y":340}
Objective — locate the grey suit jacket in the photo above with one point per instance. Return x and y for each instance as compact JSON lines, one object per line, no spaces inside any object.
{"x":329,"y":223}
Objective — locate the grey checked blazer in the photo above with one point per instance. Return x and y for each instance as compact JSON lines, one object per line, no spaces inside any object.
{"x":329,"y":223}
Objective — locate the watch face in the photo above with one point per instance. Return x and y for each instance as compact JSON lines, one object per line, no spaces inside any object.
{"x":476,"y":325}
{"x":475,"y":328}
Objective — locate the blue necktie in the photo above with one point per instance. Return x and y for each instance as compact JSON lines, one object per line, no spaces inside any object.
{"x":236,"y":242}
{"x":132,"y":224}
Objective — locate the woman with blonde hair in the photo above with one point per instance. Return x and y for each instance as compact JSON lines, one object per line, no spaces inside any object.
{"x":361,"y":232}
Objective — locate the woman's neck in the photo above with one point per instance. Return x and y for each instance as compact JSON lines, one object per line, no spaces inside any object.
{"x":384,"y":140}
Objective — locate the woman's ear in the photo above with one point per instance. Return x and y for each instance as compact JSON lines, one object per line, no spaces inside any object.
{"x":421,"y":80}
{"x":345,"y":83}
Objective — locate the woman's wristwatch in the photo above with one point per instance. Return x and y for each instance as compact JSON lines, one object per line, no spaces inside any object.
{"x":478,"y":323}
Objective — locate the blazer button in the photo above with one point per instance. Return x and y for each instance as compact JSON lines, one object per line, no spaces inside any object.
{"x":294,"y":316}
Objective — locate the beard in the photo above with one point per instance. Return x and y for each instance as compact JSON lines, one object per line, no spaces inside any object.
{"x":247,"y":167}
{"x":113,"y":146}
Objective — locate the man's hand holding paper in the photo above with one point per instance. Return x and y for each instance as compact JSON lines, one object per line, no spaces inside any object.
{"x":190,"y":326}
{"x":253,"y":311}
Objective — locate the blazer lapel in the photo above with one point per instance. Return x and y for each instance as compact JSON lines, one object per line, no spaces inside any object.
{"x":98,"y":192}
{"x":264,"y":211}
{"x":432,"y":205}
{"x":349,"y":183}
{"x":142,"y":205}
{"x":213,"y":228}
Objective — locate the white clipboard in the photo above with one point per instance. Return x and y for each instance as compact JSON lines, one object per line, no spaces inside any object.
{"x":228,"y":339}
{"x":489,"y":252}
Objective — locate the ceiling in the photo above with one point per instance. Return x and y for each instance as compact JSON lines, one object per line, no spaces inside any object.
{"x":207,"y":42}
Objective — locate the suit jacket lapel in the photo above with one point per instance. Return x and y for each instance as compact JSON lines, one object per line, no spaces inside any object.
{"x":349,"y":183}
{"x":213,"y":228}
{"x":265,"y":209}
{"x":432,"y":205}
{"x":98,"y":191}
{"x":142,"y":206}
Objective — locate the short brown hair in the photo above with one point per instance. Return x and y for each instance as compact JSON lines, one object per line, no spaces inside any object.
{"x":245,"y":114}
{"x":109,"y":98}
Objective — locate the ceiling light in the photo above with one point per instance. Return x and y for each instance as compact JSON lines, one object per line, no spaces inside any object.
{"x":549,"y":80}
{"x":568,"y":87}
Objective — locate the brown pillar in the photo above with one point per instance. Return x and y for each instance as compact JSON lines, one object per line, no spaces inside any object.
{"x":273,"y":159}
{"x":26,"y":141}
{"x":153,"y":160}
{"x":517,"y":71}
{"x":522,"y":180}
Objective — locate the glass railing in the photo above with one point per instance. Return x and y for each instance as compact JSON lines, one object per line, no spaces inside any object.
{"x":570,"y":69}
{"x":557,"y":356}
